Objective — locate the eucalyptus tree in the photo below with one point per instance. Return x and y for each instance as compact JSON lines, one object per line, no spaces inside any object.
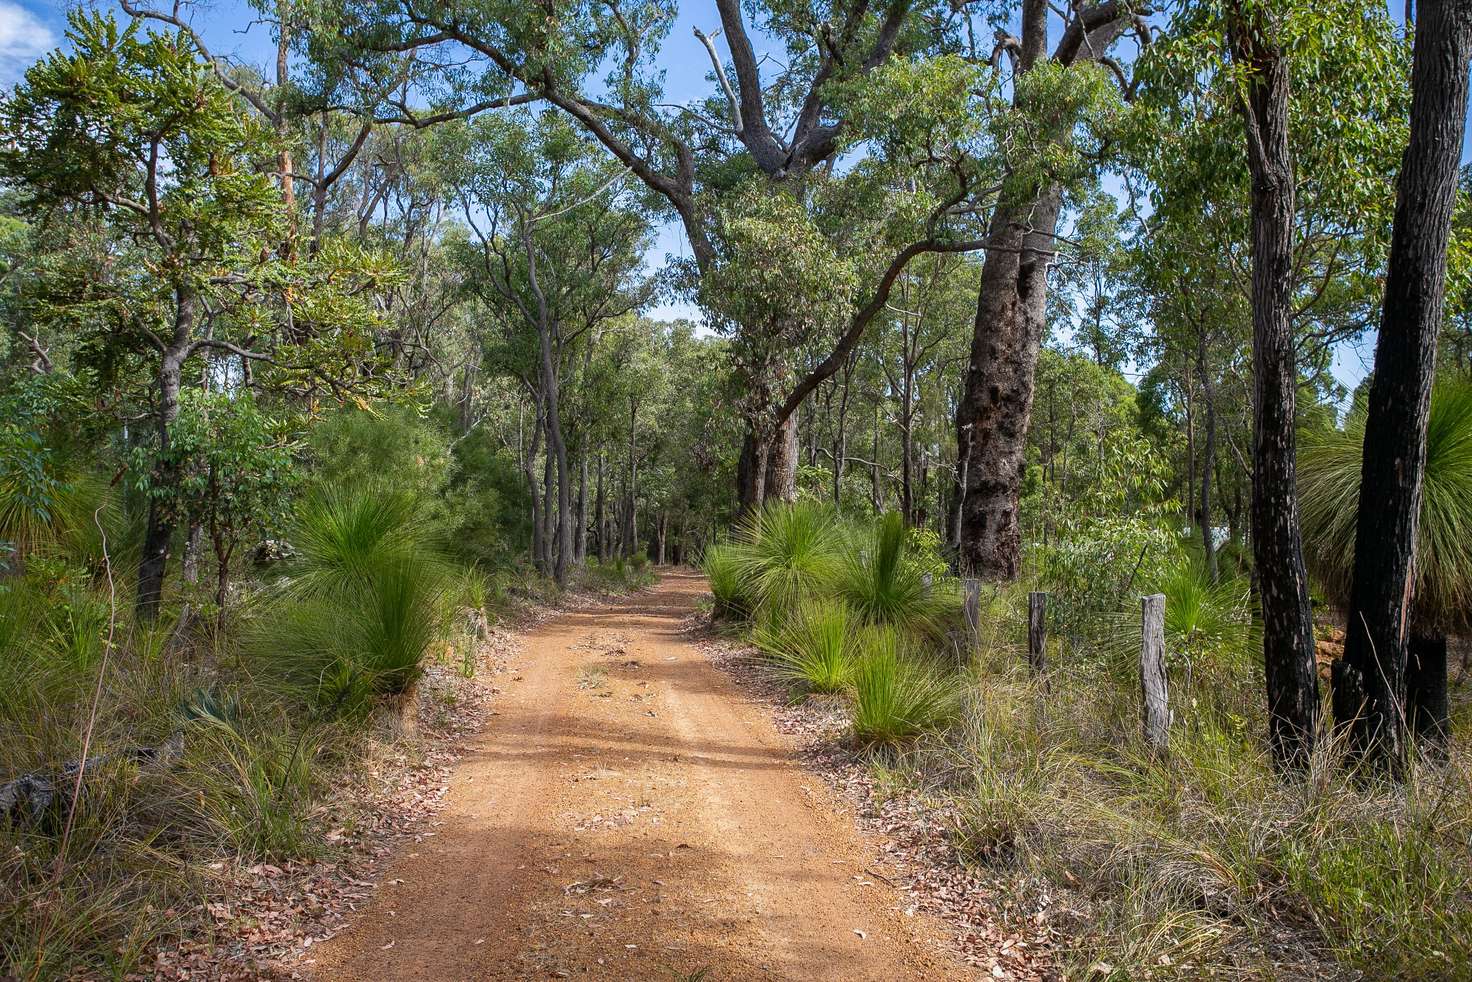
{"x":140,"y":132}
{"x":1062,"y":104}
{"x":1289,"y":108}
{"x":559,"y":253}
{"x":751,"y":171}
{"x":1370,"y":684}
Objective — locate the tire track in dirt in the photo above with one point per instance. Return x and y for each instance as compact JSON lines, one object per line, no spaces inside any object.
{"x":627,"y":815}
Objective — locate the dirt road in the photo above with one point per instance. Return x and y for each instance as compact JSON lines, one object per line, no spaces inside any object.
{"x":627,"y":815}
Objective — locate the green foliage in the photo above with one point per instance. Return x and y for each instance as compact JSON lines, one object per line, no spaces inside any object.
{"x":813,"y":647}
{"x":258,"y":785}
{"x":1329,"y":480}
{"x":898,"y":695}
{"x":786,"y":553}
{"x":1205,"y":857}
{"x":886,"y":581}
{"x":386,"y":444}
{"x":723,"y":567}
{"x":365,"y":599}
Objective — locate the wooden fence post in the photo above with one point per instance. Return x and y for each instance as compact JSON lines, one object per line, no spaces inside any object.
{"x":1037,"y":633}
{"x":1152,"y":671}
{"x":973,"y":606}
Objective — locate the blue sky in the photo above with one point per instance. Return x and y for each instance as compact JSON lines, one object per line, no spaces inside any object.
{"x":29,"y":28}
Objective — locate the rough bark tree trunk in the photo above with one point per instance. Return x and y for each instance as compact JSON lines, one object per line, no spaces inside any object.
{"x":780,"y":483}
{"x":1370,"y":687}
{"x":997,"y":404}
{"x":1288,"y":640}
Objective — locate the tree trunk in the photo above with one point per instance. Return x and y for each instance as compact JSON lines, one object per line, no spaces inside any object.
{"x":529,"y":471}
{"x":751,"y":471}
{"x":549,"y":507}
{"x":158,"y":534}
{"x":600,"y":517}
{"x":1208,"y":462}
{"x":1288,"y":639}
{"x":780,"y":483}
{"x":580,"y":540}
{"x":631,"y":527}
{"x":997,"y":404}
{"x":1370,"y":687}
{"x":1428,"y":708}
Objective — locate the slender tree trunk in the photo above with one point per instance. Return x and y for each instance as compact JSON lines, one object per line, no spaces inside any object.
{"x":631,"y":518}
{"x":1288,"y":639}
{"x":557,"y":447}
{"x":997,"y":405}
{"x":1208,"y":462}
{"x":529,"y":471}
{"x":600,"y":517}
{"x":158,"y":534}
{"x":874,"y":491}
{"x":1370,"y":690}
{"x":580,"y":547}
{"x":549,"y":507}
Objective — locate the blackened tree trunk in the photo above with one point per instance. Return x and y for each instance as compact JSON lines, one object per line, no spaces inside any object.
{"x":1370,"y":691}
{"x":1428,"y":709}
{"x":158,"y":534}
{"x":997,"y":404}
{"x":1288,"y":640}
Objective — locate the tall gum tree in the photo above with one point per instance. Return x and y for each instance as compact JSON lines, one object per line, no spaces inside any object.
{"x":768,"y":129}
{"x":1370,"y":691}
{"x":1053,"y":94}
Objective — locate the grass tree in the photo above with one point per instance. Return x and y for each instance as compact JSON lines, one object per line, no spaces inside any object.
{"x":1442,"y":590}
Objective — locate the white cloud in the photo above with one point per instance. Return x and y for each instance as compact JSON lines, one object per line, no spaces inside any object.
{"x":24,"y":37}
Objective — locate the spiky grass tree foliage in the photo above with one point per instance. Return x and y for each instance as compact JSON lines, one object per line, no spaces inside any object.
{"x":1205,"y":618}
{"x":784,"y":553}
{"x":813,"y":647}
{"x":366,"y":599}
{"x":898,"y":695}
{"x":722,"y":569}
{"x":877,"y":579}
{"x":1329,"y":483}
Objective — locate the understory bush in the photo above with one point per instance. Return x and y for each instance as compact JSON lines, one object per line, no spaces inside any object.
{"x":1206,"y":860}
{"x":844,"y":609}
{"x":814,"y":647}
{"x":361,"y":603}
{"x":899,"y":694}
{"x":884,"y":582}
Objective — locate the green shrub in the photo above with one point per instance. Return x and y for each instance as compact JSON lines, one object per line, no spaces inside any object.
{"x":813,"y":647}
{"x":726,"y":574}
{"x":784,"y":553}
{"x":256,"y":785}
{"x":898,"y":695}
{"x":364,"y":600}
{"x":886,"y":582}
{"x":1205,"y":861}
